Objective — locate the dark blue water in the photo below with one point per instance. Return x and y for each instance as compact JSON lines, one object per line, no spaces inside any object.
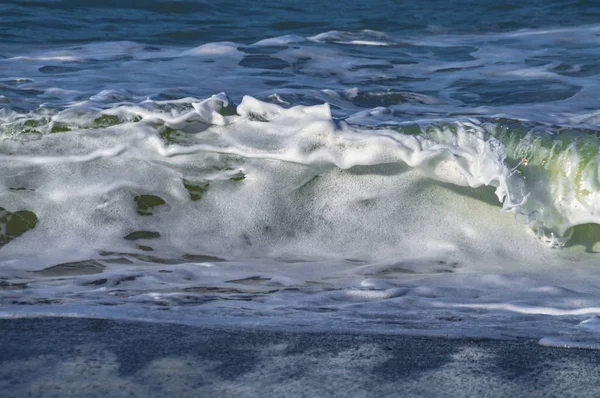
{"x":194,"y":22}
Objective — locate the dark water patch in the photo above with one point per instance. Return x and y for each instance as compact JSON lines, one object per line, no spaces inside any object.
{"x":59,"y":128}
{"x":255,"y":117}
{"x":21,"y":189}
{"x":388,"y":80}
{"x":456,"y":69}
{"x":264,"y":62}
{"x":201,"y":258}
{"x":406,"y":61}
{"x":512,"y":91}
{"x":88,"y":267}
{"x":96,"y":282}
{"x":253,"y":280}
{"x":196,"y":189}
{"x":417,"y":266}
{"x":213,"y":289}
{"x":118,"y":260}
{"x":587,"y":236}
{"x":32,"y":301}
{"x":373,"y":99}
{"x":371,"y":66}
{"x":106,"y":121}
{"x":53,"y":69}
{"x":168,"y":95}
{"x":147,"y":203}
{"x":576,"y":63}
{"x":13,"y":225}
{"x":143,"y":258}
{"x":296,"y":86}
{"x":114,"y":58}
{"x":585,"y":70}
{"x":6,"y":285}
{"x":128,"y":278}
{"x":187,"y":258}
{"x":263,"y":50}
{"x":142,"y":235}
{"x":275,"y":74}
{"x":390,"y":271}
{"x":110,"y":282}
{"x":8,"y":89}
{"x":239,"y":176}
{"x":316,"y":309}
{"x":300,"y":63}
{"x":172,"y":136}
{"x":367,"y":202}
{"x":385,"y":169}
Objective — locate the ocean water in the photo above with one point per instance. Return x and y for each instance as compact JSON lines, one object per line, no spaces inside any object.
{"x":410,"y":168}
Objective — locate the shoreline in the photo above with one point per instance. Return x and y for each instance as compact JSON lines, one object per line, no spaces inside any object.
{"x":63,"y":357}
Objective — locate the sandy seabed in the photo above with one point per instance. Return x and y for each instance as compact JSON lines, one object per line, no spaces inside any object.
{"x":77,"y":357}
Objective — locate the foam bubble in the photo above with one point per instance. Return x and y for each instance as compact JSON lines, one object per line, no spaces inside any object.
{"x":213,"y":49}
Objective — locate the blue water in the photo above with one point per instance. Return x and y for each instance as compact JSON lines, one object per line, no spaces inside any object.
{"x":193,"y":22}
{"x":408,"y":167}
{"x":419,"y":32}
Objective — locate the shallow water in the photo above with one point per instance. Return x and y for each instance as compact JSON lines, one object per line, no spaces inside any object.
{"x":413,"y":170}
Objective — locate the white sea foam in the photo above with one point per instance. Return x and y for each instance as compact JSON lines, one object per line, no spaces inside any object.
{"x":280,"y":40}
{"x":213,"y":49}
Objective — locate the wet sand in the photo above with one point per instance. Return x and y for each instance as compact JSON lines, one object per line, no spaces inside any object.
{"x":74,"y":357}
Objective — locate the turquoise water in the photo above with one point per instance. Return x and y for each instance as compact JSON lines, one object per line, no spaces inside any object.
{"x":413,"y":168}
